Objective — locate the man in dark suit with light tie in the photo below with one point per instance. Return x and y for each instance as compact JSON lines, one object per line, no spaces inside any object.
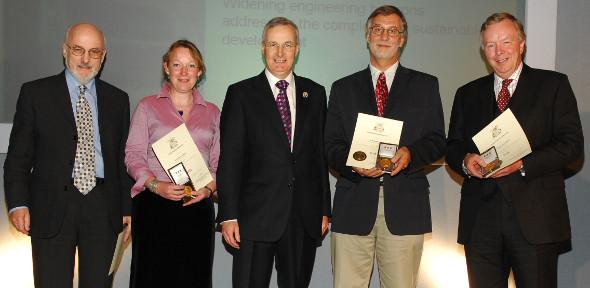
{"x":378,"y":214}
{"x":517,"y":219}
{"x":274,"y":197}
{"x":65,"y":180}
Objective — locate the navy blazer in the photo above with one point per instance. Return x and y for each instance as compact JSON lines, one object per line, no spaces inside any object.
{"x":414,"y":99}
{"x":545,"y":106}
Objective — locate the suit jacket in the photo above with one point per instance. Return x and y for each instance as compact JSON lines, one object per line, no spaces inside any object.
{"x":545,"y":107}
{"x":40,"y":160}
{"x":261,"y":182}
{"x":413,"y":99}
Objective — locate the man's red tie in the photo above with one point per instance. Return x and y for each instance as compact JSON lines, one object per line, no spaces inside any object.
{"x":381,"y":94}
{"x":504,"y":95}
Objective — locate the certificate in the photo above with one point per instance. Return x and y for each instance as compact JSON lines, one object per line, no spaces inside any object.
{"x":179,"y":156}
{"x":118,"y":254}
{"x":501,"y":143}
{"x":369,"y":132}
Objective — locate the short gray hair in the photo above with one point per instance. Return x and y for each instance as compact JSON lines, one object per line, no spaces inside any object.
{"x":278,"y":21}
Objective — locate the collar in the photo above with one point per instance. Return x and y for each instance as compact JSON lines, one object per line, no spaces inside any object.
{"x":514,"y":76}
{"x":197,"y":97}
{"x":272,"y":79}
{"x":389,"y":73}
{"x":74,"y":83}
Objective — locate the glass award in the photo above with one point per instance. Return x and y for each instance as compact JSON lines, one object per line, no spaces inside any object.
{"x":490,"y":156}
{"x":180,"y":176}
{"x":385,"y":155}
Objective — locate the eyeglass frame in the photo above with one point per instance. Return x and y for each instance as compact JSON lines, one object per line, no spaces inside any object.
{"x":90,"y":51}
{"x":289,"y":45}
{"x":391,"y":32}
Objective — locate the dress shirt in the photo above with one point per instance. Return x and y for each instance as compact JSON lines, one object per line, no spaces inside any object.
{"x":389,"y":75}
{"x":272,"y":81}
{"x":512,"y":86}
{"x":153,"y":118}
{"x":91,"y":96}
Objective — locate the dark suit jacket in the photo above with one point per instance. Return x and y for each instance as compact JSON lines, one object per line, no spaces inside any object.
{"x":40,"y":159}
{"x":260,"y":181}
{"x":413,"y":99}
{"x":545,"y":106}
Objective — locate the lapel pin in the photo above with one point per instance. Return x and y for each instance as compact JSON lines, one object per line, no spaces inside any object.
{"x":305,"y":94}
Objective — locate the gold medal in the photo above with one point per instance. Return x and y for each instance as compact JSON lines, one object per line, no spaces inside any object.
{"x":359,"y":156}
{"x":188,"y":194}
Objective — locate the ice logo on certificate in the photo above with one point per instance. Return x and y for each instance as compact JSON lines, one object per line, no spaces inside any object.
{"x":180,"y":176}
{"x":385,"y":155}
{"x":173,"y":143}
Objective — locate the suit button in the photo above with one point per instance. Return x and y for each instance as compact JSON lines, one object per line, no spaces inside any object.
{"x":65,"y":188}
{"x":76,"y":138}
{"x":294,"y":161}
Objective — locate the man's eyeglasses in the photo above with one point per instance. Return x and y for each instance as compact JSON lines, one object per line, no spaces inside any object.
{"x":392,"y":32}
{"x":94,"y":53}
{"x":286,"y":46}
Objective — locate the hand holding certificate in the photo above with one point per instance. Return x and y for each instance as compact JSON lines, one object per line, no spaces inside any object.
{"x":374,"y":142}
{"x":179,"y":156}
{"x":501,"y":143}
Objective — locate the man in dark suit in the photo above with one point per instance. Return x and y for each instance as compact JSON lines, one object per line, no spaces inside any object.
{"x":274,"y":197}
{"x":65,"y":180}
{"x":376,"y":213}
{"x":518,"y":218}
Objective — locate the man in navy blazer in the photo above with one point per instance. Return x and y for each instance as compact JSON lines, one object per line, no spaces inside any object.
{"x":274,"y":197}
{"x":377,"y":214}
{"x":518,"y":218}
{"x":39,"y":171}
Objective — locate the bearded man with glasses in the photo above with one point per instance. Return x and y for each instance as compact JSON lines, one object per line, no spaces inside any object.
{"x":65,"y":181}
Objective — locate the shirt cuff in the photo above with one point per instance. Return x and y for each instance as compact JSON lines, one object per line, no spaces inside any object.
{"x":17,"y":208}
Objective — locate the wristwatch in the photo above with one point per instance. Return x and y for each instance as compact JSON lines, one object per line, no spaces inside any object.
{"x":465,"y":170}
{"x":521,"y":169}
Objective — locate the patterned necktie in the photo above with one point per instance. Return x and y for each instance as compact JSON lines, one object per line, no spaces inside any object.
{"x":504,"y":95}
{"x":84,"y":169}
{"x":283,"y":106}
{"x":381,"y":94}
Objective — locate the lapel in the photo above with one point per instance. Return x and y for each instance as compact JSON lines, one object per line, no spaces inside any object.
{"x":487,"y":100}
{"x":518,"y":101}
{"x":101,"y":108}
{"x":268,"y":107}
{"x":301,"y":105}
{"x":368,"y":104}
{"x":63,"y":100}
{"x":397,"y":93}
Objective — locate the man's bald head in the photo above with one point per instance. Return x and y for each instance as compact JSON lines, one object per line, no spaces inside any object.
{"x":84,"y":50}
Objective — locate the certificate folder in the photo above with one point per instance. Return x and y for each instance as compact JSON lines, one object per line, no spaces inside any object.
{"x":177,"y":149}
{"x":501,"y":143}
{"x":369,"y":132}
